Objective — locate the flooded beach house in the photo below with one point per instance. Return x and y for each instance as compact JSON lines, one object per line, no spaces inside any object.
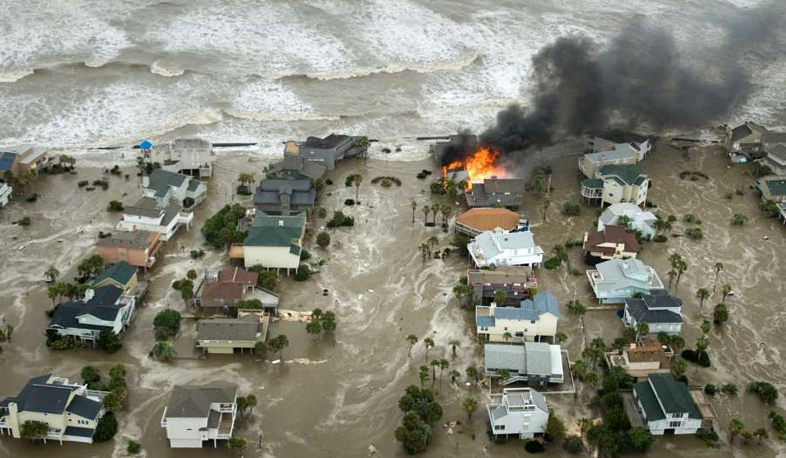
{"x":612,"y":242}
{"x":226,"y":335}
{"x":640,"y":359}
{"x":497,"y":192}
{"x":138,"y":248}
{"x":659,"y":309}
{"x":107,"y":308}
{"x":147,"y":214}
{"x":532,"y":320}
{"x":477,"y":220}
{"x":285,"y":195}
{"x":633,"y":217}
{"x":772,"y":188}
{"x":296,"y":166}
{"x":175,"y":188}
{"x":19,"y":159}
{"x":629,"y":150}
{"x":220,"y":291}
{"x":520,"y":412}
{"x":193,"y":157}
{"x":614,"y":184}
{"x":329,"y":150}
{"x":498,"y":248}
{"x":534,"y":363}
{"x":518,"y":282}
{"x":198,"y":414}
{"x":615,"y":280}
{"x":69,"y":411}
{"x":664,"y":406}
{"x":274,"y":242}
{"x":121,"y":275}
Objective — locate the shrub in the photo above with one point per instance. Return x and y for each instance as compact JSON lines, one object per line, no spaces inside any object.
{"x":729,"y":389}
{"x":323,"y":239}
{"x":711,"y":389}
{"x":303,"y":273}
{"x":115,"y":206}
{"x":328,"y":182}
{"x":552,"y":263}
{"x":348,"y":181}
{"x":162,"y":351}
{"x":573,"y":445}
{"x":704,"y":359}
{"x":133,"y":447}
{"x":25,"y":221}
{"x":534,"y":446}
{"x":322,"y":212}
{"x":83,"y":183}
{"x":109,"y":342}
{"x":660,"y":238}
{"x":220,"y":229}
{"x":349,"y":202}
{"x":102,"y":183}
{"x":571,"y":209}
{"x":694,"y":233}
{"x":32,"y":198}
{"x":340,"y":220}
{"x":106,"y":428}
{"x":766,"y":392}
{"x":197,"y":254}
{"x":167,"y":322}
{"x":305,"y":255}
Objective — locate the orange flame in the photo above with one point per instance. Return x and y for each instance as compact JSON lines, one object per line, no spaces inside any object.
{"x":479,"y":166}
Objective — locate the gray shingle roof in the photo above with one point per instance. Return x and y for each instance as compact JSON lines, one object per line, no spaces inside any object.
{"x":532,"y":358}
{"x":38,"y":396}
{"x":102,"y":306}
{"x":161,"y":180}
{"x":627,"y":174}
{"x":188,"y":401}
{"x":235,"y":329}
{"x":652,"y":307}
{"x":84,"y":407}
{"x":674,"y":397}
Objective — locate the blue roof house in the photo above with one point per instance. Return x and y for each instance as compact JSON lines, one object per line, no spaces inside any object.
{"x":532,"y":320}
{"x":615,"y":280}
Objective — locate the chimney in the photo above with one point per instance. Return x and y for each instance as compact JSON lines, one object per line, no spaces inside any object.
{"x":492,"y":308}
{"x":145,"y":181}
{"x":89,"y":294}
{"x":281,"y":223}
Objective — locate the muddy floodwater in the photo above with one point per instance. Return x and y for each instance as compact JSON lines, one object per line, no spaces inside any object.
{"x":334,"y":396}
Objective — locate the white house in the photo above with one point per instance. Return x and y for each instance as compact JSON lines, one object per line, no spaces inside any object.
{"x":148,"y":215}
{"x":166,"y":187}
{"x":103,"y":309}
{"x":659,"y":309}
{"x":500,"y":248}
{"x":5,"y":194}
{"x":518,"y":411}
{"x":70,"y":411}
{"x":666,"y":406}
{"x":614,"y":184}
{"x":533,"y":319}
{"x":638,"y":219}
{"x":196,"y":414}
{"x":188,"y":156}
{"x":536,"y":363}
{"x":275,"y":241}
{"x":615,"y":280}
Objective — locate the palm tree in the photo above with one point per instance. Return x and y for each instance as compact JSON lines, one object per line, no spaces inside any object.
{"x":423,"y":375}
{"x":469,"y":404}
{"x":702,"y":294}
{"x":454,"y":344}
{"x":429,"y":343}
{"x":546,"y":205}
{"x":718,"y":270}
{"x":433,"y":242}
{"x":52,"y":273}
{"x":426,"y":212}
{"x":357,"y":181}
{"x":446,"y":211}
{"x":443,"y":364}
{"x":642,"y":329}
{"x":425,"y":250}
{"x":725,"y":291}
{"x":454,"y":374}
{"x":507,"y":336}
{"x":503,"y":374}
{"x":435,"y":209}
{"x":414,"y":207}
{"x":560,"y":337}
{"x":434,"y":366}
{"x":245,"y":178}
{"x":412,"y":339}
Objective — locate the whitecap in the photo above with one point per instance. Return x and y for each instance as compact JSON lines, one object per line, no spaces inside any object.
{"x":14,"y":75}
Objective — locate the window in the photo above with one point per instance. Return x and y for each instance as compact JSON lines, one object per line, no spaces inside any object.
{"x":499,"y":427}
{"x":675,"y":424}
{"x":519,"y":334}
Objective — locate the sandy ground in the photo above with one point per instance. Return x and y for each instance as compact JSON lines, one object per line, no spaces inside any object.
{"x":336,"y":395}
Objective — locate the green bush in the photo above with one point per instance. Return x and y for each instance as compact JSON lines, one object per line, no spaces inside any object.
{"x":25,"y":221}
{"x":106,"y":428}
{"x":220,"y":230}
{"x":167,"y":323}
{"x":573,"y":445}
{"x":109,"y":342}
{"x":305,"y":255}
{"x":571,"y":209}
{"x":660,"y":238}
{"x":133,"y":448}
{"x":711,"y":389}
{"x":340,"y":220}
{"x":115,"y":206}
{"x":552,"y":263}
{"x":323,"y":239}
{"x":303,"y":273}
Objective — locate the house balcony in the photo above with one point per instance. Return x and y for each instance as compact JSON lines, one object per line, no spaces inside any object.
{"x":228,"y":407}
{"x":185,"y":217}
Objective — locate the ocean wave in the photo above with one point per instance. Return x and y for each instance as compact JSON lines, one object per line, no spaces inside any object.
{"x":282,"y":117}
{"x":14,"y":75}
{"x":170,"y":72}
{"x":360,"y":72}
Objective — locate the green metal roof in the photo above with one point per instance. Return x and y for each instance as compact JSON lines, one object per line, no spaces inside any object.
{"x":279,"y":231}
{"x":592,"y":183}
{"x":627,"y":173}
{"x":120,"y":272}
{"x":673,"y":395}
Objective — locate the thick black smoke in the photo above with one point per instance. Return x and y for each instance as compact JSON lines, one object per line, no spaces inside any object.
{"x":639,"y":79}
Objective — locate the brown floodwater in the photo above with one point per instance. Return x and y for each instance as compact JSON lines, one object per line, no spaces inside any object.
{"x":334,"y":396}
